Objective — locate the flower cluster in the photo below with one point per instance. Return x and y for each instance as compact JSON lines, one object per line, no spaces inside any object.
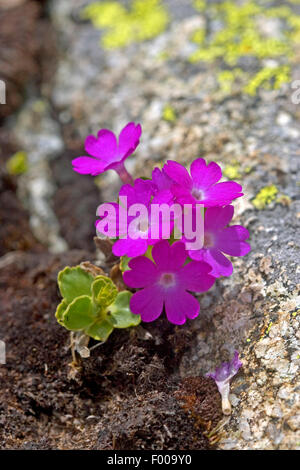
{"x":172,"y":227}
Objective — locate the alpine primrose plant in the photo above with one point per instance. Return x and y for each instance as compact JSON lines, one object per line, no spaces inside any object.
{"x":170,"y":232}
{"x":92,"y":304}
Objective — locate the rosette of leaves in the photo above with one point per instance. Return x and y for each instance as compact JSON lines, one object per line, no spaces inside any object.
{"x":92,"y":305}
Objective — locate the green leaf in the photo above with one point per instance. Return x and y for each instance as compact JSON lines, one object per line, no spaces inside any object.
{"x":74,"y":282}
{"x":104,"y":291}
{"x":79,"y":314}
{"x":100,"y":330}
{"x":61,"y":308}
{"x":121,"y":315}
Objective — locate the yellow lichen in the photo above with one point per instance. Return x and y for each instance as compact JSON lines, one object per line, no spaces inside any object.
{"x":200,"y":5}
{"x":145,"y":20}
{"x":241,"y":36}
{"x":17,"y":164}
{"x":267,"y":77}
{"x":248,"y":169}
{"x":265,"y":196}
{"x":169,"y":113}
{"x":226,"y":78}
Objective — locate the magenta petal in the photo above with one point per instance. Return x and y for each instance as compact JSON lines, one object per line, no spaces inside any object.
{"x":129,"y":139}
{"x":104,"y":147}
{"x":227,"y":370}
{"x":128,"y":191}
{"x":195,"y":276}
{"x":129,"y":247}
{"x":161,"y":253}
{"x":163,"y":197}
{"x":222,"y":193}
{"x":88,"y":166}
{"x":143,"y":272}
{"x":141,"y":192}
{"x":231,"y":241}
{"x":204,"y":176}
{"x":179,"y":305}
{"x":182,"y":195}
{"x":161,"y":180}
{"x":178,"y":174}
{"x":169,"y":257}
{"x":178,"y":255}
{"x":148,"y":303}
{"x":217,"y":218}
{"x":108,"y":222}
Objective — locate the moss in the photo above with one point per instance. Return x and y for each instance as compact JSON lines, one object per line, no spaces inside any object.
{"x":265,"y":196}
{"x":17,"y":164}
{"x":144,"y":20}
{"x":169,"y":113}
{"x":240,"y":36}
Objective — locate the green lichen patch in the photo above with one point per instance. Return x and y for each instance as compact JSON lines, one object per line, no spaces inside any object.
{"x":144,"y":20}
{"x":241,"y":35}
{"x":169,"y":113}
{"x":232,"y":172}
{"x":265,"y":196}
{"x":17,"y":164}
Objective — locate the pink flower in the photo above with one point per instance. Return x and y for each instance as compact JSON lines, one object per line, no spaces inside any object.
{"x":222,"y":377}
{"x":162,"y":187}
{"x":161,"y":181}
{"x":219,"y":239}
{"x":201,"y":187}
{"x":165,"y":283}
{"x":135,"y":231}
{"x":108,"y":154}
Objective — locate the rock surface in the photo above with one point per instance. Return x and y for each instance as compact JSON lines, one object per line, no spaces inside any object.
{"x":255,"y":138}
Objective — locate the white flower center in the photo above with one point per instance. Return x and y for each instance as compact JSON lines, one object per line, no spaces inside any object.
{"x":208,"y":240}
{"x":143,"y":226}
{"x":167,"y":279}
{"x":197,"y":194}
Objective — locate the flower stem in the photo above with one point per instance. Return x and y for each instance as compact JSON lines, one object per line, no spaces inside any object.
{"x":125,"y":177}
{"x":226,"y":406}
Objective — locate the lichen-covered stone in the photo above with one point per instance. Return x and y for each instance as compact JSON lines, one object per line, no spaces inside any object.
{"x":256,"y":310}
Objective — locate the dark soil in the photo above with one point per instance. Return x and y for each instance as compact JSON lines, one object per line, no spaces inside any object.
{"x":15,"y":232}
{"x":26,"y":50}
{"x":126,"y":396}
